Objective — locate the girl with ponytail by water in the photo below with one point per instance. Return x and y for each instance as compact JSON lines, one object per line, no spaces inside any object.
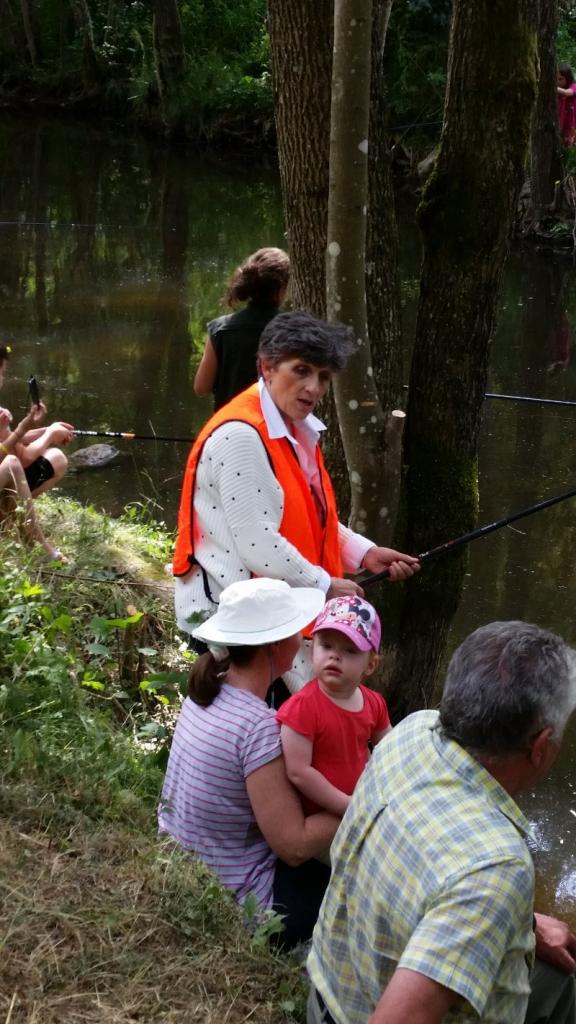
{"x":226,"y":795}
{"x":228,"y":363}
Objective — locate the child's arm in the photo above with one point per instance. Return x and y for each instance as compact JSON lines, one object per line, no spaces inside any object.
{"x":380,"y":734}
{"x":5,"y":421}
{"x":298,"y":757}
{"x":11,"y":441}
{"x":36,"y":442}
{"x":205,"y":378}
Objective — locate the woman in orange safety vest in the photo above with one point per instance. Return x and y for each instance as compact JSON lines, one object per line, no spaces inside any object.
{"x":257,"y":499}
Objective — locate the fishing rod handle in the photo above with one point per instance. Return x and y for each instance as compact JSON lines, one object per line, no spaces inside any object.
{"x":377,"y":577}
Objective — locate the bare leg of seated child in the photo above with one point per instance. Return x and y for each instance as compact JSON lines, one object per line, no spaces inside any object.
{"x":13,"y":481}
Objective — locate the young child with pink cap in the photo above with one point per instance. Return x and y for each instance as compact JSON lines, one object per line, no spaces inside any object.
{"x":326,"y":727}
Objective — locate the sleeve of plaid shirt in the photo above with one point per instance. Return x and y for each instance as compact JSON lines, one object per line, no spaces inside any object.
{"x":463,"y":939}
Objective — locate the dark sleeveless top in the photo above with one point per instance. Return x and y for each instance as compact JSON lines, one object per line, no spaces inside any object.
{"x":235,"y":339}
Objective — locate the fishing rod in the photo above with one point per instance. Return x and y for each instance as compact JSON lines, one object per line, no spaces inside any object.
{"x":482,"y":531}
{"x":523,"y":398}
{"x":526,"y":398}
{"x":129,"y":436}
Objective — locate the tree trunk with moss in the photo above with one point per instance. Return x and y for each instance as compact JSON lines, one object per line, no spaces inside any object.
{"x":545,"y":151}
{"x":465,"y":218}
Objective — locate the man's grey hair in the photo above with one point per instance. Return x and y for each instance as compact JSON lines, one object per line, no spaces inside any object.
{"x":505,"y":683}
{"x":300,"y":335}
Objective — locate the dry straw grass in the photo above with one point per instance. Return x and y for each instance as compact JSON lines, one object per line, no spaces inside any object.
{"x":112,"y":927}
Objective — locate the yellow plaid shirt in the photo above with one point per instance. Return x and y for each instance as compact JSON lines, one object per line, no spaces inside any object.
{"x":430,"y":871}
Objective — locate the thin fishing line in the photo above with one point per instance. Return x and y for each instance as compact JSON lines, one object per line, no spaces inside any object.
{"x":67,"y":224}
{"x":522,"y":398}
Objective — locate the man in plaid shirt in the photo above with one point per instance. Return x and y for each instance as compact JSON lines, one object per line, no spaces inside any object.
{"x":429,"y":915}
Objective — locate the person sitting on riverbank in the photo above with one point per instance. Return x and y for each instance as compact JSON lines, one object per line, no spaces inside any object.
{"x":13,"y":478}
{"x":256,"y":497}
{"x":566,"y":104}
{"x":327,"y":727}
{"x":226,"y":759}
{"x":228,"y":364}
{"x":43,"y":462}
{"x":429,"y":914}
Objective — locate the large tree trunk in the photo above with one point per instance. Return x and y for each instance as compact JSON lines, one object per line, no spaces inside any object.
{"x":357,"y":404}
{"x":383,"y":279}
{"x":465,"y":218}
{"x":545,"y":156}
{"x":382,"y":273}
{"x":301,"y":44}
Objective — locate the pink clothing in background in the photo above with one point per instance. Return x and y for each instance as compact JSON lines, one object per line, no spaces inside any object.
{"x":567,"y":116}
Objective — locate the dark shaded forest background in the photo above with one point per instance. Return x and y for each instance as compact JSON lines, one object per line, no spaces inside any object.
{"x":200,"y":69}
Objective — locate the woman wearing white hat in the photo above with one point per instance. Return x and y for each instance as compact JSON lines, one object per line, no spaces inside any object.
{"x":226,"y":794}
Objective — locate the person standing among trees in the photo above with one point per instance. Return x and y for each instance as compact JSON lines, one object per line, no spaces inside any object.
{"x":228,"y":364}
{"x":566,"y":104}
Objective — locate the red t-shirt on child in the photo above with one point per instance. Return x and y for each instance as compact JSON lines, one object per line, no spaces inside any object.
{"x":339,"y":737}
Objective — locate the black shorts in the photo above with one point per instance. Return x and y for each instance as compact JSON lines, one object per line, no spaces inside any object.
{"x":39,"y":472}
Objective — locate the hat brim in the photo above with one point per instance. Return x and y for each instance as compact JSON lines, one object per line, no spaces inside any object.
{"x":309,"y":602}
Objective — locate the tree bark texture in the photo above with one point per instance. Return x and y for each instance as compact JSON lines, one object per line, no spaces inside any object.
{"x":359,"y":412}
{"x":301,"y":44}
{"x":382,"y":272}
{"x":545,"y":151}
{"x":383,"y":278}
{"x":465,"y":219}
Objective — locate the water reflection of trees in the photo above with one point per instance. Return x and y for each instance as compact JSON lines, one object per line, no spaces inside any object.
{"x":112,"y":258}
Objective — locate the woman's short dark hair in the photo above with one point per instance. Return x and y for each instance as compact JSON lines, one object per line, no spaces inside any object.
{"x":259,"y":278}
{"x":566,"y":71}
{"x":301,"y":335}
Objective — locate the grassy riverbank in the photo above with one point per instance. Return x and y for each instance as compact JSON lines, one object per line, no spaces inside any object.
{"x":101,"y":921}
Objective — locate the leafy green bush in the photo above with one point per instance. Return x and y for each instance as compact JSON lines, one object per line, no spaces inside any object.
{"x":225,"y":77}
{"x":88,"y":682}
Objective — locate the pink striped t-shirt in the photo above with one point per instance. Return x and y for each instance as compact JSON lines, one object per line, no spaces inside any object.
{"x":205,"y":804}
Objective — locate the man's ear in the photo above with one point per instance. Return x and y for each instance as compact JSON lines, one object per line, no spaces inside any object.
{"x":540,"y":747}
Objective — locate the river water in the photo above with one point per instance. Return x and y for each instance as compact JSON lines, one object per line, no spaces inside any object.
{"x":113,"y":255}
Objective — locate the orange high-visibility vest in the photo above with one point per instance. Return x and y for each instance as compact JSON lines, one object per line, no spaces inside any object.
{"x":301,"y":524}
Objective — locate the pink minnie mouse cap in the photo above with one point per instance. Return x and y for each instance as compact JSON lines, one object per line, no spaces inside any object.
{"x":354,"y":617}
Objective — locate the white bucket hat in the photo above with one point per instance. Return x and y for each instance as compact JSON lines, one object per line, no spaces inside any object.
{"x":259,"y":611}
